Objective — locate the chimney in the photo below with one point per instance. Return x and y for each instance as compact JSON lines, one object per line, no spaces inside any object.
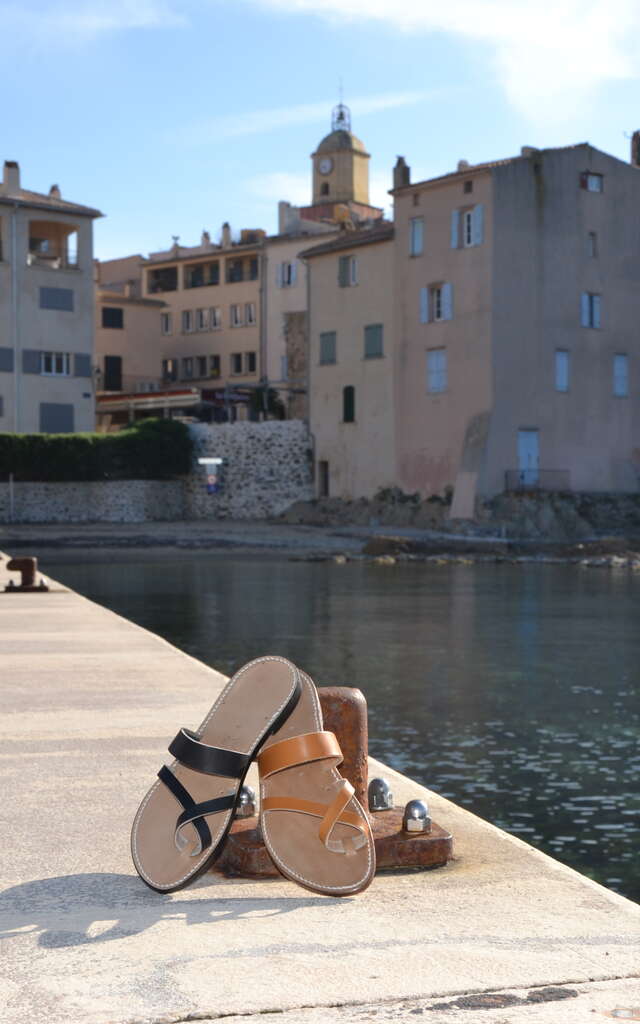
{"x":463,"y":165}
{"x":206,"y":238}
{"x":635,"y":149}
{"x":54,"y":192}
{"x":226,"y":235}
{"x":11,"y":179}
{"x":528,"y":150}
{"x":401,"y":173}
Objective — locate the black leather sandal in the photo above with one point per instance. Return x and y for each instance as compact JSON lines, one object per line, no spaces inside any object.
{"x":184,"y":819}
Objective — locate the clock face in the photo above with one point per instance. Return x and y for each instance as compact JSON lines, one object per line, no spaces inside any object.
{"x":325,"y":165}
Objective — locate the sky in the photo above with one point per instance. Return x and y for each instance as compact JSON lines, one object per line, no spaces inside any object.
{"x":172,"y":116}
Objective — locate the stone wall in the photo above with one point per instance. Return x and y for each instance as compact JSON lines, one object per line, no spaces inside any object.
{"x":267,"y":467}
{"x":109,"y":501}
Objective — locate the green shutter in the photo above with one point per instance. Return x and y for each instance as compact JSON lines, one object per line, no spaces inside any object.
{"x":343,"y":271}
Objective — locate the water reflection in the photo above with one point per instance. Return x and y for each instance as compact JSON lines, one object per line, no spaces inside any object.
{"x":512,"y":690}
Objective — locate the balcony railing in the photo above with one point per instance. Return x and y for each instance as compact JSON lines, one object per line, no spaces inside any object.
{"x":54,"y":259}
{"x":537,"y":480}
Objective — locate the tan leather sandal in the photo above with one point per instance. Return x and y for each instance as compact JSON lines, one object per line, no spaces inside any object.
{"x":185,"y":817}
{"x":314,"y":828}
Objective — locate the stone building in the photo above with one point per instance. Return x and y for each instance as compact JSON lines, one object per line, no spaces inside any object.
{"x":46,"y":310}
{"x":513,"y":359}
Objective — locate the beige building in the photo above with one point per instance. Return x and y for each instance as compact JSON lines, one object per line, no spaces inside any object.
{"x":517,"y":294}
{"x":46,"y":310}
{"x":351,"y":357}
{"x":515,"y":355}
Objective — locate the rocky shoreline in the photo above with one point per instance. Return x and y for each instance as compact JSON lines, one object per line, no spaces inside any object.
{"x":375,"y":544}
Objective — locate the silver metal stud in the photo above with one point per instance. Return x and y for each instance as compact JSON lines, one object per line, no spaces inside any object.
{"x":416,"y":817}
{"x":247,"y":803}
{"x":380,"y":795}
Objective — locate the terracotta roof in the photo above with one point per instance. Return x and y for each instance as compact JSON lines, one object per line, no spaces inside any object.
{"x":27,"y":198}
{"x":487,"y":166}
{"x":352,"y":239}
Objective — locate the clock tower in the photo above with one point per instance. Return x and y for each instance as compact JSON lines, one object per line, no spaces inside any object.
{"x":340,"y":164}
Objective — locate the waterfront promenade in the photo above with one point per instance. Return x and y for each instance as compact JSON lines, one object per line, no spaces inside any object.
{"x":89,"y":702}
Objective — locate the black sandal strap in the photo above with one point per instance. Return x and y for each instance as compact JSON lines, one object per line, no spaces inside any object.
{"x":183,"y":797}
{"x":194,"y":814}
{"x":189,"y":750}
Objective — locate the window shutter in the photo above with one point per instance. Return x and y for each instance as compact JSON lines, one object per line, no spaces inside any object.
{"x":584,"y":179}
{"x":294,"y":271}
{"x":478,"y":224}
{"x":82,"y":365}
{"x":455,"y":229}
{"x":30,"y":360}
{"x":424,"y":305}
{"x":353,"y":265}
{"x":595,"y":299}
{"x":278,"y":275}
{"x":447,"y":302}
{"x":343,"y":271}
{"x":584,"y":309}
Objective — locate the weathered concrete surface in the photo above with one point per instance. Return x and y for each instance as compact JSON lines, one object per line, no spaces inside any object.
{"x":89,"y":702}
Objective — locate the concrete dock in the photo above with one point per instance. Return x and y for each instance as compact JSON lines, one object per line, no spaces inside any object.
{"x":89,"y":702}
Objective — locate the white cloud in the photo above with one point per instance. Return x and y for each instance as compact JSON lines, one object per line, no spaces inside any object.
{"x":295,"y":188}
{"x":72,"y":22}
{"x":254,"y":122}
{"x":548,"y":58}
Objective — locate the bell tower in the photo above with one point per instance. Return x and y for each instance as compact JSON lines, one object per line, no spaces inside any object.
{"x":340,"y":164}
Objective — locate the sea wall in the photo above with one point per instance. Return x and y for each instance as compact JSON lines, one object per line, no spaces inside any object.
{"x":265,"y":468}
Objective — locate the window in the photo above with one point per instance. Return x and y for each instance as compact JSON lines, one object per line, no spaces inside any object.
{"x":250,"y":362}
{"x":250,"y":312}
{"x":286,"y":273}
{"x":436,"y":370}
{"x":436,"y":303}
{"x":347,"y":271}
{"x":202,"y":319}
{"x":215,"y":317}
{"x":165,"y":323}
{"x":112,"y":379}
{"x":198,"y":275}
{"x":323,"y":478}
{"x":236,"y":315}
{"x":165,"y":279}
{"x":170,"y":369}
{"x":416,"y":235}
{"x":592,"y":245}
{"x":467,"y":187}
{"x":373,"y":341}
{"x":467,"y":227}
{"x":236,"y":362}
{"x":324,"y":188}
{"x":562,"y":370}
{"x":113,"y":316}
{"x":592,"y":182}
{"x":327,"y":347}
{"x":55,"y":364}
{"x":621,"y":375}
{"x":416,"y":198}
{"x":187,"y":320}
{"x":349,"y":404}
{"x":253,"y":268}
{"x":201,"y":366}
{"x":214,"y":366}
{"x":234,"y":271}
{"x":57,"y":298}
{"x":284,"y":368}
{"x":187,"y":367}
{"x":590,"y":310}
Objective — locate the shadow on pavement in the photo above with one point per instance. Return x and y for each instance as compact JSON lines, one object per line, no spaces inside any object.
{"x":85,"y":909}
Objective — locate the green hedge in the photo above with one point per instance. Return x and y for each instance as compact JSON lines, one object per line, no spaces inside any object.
{"x":148,"y":450}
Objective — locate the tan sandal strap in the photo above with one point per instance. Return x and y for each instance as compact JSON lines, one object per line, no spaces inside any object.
{"x":335,"y":810}
{"x":311,"y":746}
{"x":290,"y":803}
